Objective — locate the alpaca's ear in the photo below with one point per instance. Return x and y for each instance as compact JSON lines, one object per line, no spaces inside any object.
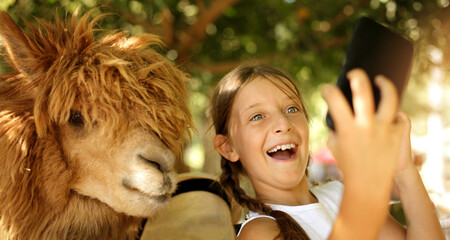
{"x":13,"y":39}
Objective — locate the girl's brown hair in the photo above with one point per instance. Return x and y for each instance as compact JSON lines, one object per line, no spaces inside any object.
{"x":222,"y":101}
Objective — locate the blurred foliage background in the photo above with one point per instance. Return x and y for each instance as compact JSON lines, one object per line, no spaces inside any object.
{"x":307,"y":38}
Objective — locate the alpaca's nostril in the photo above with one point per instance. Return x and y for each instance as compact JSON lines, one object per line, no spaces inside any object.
{"x":157,"y":165}
{"x":160,"y":165}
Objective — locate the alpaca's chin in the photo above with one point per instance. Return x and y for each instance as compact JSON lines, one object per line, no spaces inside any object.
{"x":135,"y":195}
{"x":143,"y":197}
{"x":143,"y":205}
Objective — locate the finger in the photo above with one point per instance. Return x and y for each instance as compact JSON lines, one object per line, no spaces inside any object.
{"x":388,"y":107}
{"x":338,"y":106}
{"x":363,"y":103}
{"x":332,"y":142}
{"x":404,"y":119}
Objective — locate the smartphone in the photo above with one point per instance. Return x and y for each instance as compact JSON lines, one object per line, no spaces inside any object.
{"x":378,"y":50}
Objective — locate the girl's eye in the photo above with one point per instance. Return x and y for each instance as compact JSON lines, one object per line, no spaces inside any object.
{"x":292,"y":110}
{"x":256,"y":117}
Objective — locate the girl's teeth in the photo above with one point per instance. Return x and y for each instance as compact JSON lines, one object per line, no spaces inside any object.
{"x":282,"y":147}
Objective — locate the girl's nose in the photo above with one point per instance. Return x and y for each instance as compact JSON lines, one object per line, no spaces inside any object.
{"x":281,"y":124}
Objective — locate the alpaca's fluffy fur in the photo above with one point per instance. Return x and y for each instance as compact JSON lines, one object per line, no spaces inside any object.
{"x":89,"y":130}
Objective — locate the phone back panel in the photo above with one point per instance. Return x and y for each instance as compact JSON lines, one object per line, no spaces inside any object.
{"x":377,"y":50}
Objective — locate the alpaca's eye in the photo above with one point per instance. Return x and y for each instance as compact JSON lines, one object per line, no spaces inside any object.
{"x":76,"y":119}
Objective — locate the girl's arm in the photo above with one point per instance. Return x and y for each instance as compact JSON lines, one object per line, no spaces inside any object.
{"x":422,"y":221}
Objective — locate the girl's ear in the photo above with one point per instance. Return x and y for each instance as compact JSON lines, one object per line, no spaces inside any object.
{"x":223,"y":146}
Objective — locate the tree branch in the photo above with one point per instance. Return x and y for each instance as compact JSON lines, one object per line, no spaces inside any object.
{"x":168,"y":32}
{"x":197,"y":32}
{"x":201,"y":5}
{"x":136,"y":20}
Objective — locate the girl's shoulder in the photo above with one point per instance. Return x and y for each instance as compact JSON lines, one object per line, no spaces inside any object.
{"x":328,"y":191}
{"x":328,"y":186}
{"x":261,"y":227}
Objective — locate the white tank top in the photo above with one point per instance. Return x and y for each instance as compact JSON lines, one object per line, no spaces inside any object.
{"x":316,"y":218}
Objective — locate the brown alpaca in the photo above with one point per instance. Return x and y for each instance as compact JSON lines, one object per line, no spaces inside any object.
{"x":89,"y":130}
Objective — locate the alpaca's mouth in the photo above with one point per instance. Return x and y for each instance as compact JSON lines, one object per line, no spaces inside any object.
{"x":161,"y":198}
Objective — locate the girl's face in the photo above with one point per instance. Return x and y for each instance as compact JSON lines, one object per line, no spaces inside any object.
{"x":268,"y":133}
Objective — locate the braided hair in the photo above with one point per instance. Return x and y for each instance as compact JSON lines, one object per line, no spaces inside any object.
{"x":221,"y":107}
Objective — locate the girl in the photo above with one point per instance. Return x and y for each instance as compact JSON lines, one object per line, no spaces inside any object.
{"x":262,"y":132}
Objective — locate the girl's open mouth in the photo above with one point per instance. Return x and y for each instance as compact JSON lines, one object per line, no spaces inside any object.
{"x":283,"y":152}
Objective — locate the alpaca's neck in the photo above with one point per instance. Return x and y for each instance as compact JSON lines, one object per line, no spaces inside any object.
{"x":82,"y":218}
